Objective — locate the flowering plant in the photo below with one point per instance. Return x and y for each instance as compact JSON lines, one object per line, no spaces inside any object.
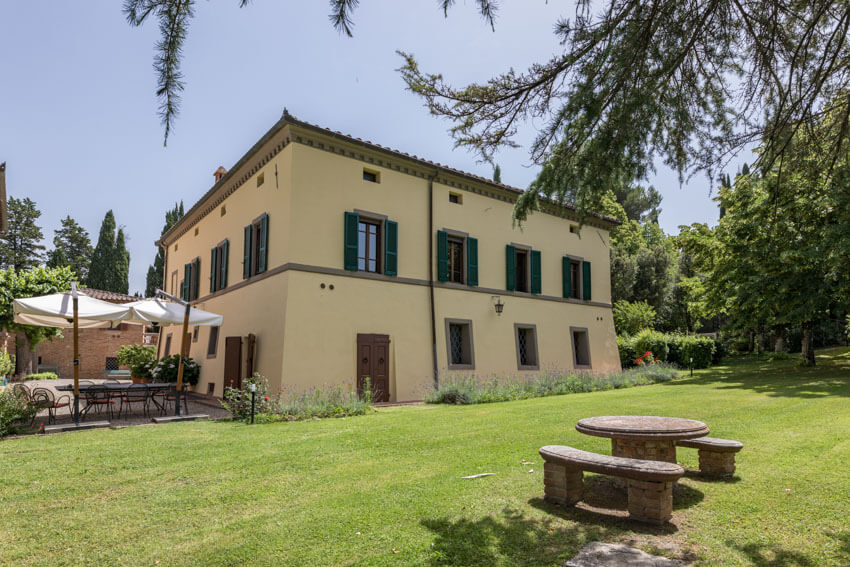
{"x":646,"y":358}
{"x":166,"y":370}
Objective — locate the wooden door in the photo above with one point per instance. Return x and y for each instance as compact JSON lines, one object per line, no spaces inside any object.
{"x":233,"y":362}
{"x":373,"y":362}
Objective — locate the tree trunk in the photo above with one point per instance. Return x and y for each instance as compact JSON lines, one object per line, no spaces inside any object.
{"x":760,"y":340}
{"x":779,"y":333}
{"x":751,"y":343}
{"x":25,"y":361}
{"x":808,"y":349}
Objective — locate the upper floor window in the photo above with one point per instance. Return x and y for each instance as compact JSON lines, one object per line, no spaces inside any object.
{"x":373,"y":176}
{"x":190,"y":289}
{"x":219,"y":257}
{"x":457,"y":258}
{"x":255,"y":247}
{"x":370,"y":243}
{"x":522,"y":267}
{"x":576,"y":277}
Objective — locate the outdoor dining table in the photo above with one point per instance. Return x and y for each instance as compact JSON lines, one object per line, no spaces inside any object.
{"x":650,"y":438}
{"x":120,"y":387}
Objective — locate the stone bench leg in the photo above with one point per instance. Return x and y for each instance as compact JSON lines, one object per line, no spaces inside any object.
{"x":562,"y":485}
{"x":650,"y":502}
{"x":715,"y":463}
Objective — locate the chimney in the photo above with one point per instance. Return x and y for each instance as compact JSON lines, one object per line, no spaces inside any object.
{"x":219,"y":173}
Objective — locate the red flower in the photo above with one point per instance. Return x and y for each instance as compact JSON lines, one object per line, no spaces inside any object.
{"x":647,"y":353}
{"x":266,"y":398}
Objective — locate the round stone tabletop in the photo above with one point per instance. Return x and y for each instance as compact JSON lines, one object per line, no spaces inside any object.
{"x":642,"y":427}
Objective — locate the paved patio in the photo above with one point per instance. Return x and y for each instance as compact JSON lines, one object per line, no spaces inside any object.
{"x":197,"y":404}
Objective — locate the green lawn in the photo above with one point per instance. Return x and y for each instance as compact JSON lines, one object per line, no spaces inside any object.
{"x":385,"y":489}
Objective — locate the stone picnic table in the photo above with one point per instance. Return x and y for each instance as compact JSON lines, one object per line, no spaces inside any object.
{"x":644,"y":437}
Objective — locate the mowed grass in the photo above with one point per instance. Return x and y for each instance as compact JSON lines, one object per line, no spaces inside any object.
{"x":385,"y":489}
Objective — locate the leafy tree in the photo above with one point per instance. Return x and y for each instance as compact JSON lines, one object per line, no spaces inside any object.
{"x":110,"y":263}
{"x":71,"y":247}
{"x":20,"y":247}
{"x":631,"y":318}
{"x":640,"y":203}
{"x":29,"y":283}
{"x":155,"y":276}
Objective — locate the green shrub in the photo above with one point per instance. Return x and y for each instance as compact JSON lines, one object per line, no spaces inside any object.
{"x":463,"y":390}
{"x":42,"y":376}
{"x":652,"y":341}
{"x":684,"y":347}
{"x":631,"y":318}
{"x":138,"y":358}
{"x":6,"y":363}
{"x":628,"y":354}
{"x":238,"y":400}
{"x":166,"y":370}
{"x":14,"y":409}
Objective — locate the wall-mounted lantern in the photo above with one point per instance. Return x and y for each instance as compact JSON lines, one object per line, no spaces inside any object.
{"x":498,"y":305}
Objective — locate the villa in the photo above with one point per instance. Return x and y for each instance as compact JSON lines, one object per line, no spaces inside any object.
{"x":333,"y":259}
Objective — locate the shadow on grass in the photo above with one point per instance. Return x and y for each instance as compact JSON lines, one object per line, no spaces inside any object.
{"x":512,"y":538}
{"x":779,"y":378}
{"x":768,"y":555}
{"x":702,"y":477}
{"x":844,"y":539}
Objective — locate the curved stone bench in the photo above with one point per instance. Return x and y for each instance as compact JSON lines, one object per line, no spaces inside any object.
{"x":650,"y":482}
{"x":716,"y":456}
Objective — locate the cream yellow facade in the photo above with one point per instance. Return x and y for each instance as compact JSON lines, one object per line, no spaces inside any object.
{"x":306,"y":309}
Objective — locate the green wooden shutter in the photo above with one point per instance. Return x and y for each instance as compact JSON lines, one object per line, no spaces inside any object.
{"x":246,"y":253}
{"x":352,"y":222}
{"x":187,"y":282}
{"x":585,"y":266}
{"x":566,"y":275}
{"x":213,"y":269}
{"x":263,"y":251}
{"x":472,"y":261}
{"x":442,"y":256}
{"x":391,"y":248}
{"x":196,"y":280}
{"x":536,"y":283}
{"x":225,"y":254}
{"x":510,"y":268}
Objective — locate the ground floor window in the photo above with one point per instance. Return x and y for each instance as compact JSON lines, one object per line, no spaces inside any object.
{"x":212,"y":347}
{"x":459,"y":344}
{"x":581,"y":347}
{"x":526,"y":347}
{"x":111,"y":363}
{"x":167,"y":345}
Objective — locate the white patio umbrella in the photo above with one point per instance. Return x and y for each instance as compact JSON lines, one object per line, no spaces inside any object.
{"x":69,"y":309}
{"x":161,"y":312}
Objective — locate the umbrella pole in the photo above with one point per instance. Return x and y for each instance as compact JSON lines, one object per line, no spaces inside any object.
{"x":183,"y":348}
{"x":76,"y":355}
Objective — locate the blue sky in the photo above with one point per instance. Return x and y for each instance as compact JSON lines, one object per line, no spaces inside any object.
{"x":78,"y":116}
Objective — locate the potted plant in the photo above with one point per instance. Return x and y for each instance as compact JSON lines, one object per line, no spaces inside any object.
{"x":138,"y":359}
{"x":166,"y":370}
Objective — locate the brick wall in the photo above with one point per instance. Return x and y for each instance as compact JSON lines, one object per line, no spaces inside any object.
{"x":95,"y":346}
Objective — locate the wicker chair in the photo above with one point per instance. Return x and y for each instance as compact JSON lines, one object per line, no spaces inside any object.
{"x":44,"y":398}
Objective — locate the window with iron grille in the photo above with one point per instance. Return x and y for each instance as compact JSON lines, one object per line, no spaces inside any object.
{"x":111,"y":363}
{"x":459,"y":344}
{"x":581,"y":347}
{"x":526,"y":347}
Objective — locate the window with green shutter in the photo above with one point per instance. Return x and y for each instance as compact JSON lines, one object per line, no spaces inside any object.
{"x":566,"y":277}
{"x":222,"y":264}
{"x":510,"y":267}
{"x":442,"y":256}
{"x":350,"y":245}
{"x":586,"y":280}
{"x":218,"y":267}
{"x":262,"y":233}
{"x":187,"y":282}
{"x":246,"y":252}
{"x":472,"y":261}
{"x":536,"y":278}
{"x":196,"y":278}
{"x":214,"y":269}
{"x":391,"y":248}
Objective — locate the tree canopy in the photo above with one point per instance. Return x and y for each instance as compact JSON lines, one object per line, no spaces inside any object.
{"x":154,"y":278}
{"x":110,"y":263}
{"x":20,"y":247}
{"x":71,"y":247}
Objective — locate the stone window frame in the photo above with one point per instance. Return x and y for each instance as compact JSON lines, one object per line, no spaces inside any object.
{"x":580,"y":285}
{"x":471,"y":344}
{"x":531,"y":327}
{"x":212,"y":345}
{"x":573,"y":331}
{"x":167,"y":346}
{"x":174,"y":284}
{"x":527,"y":249}
{"x":195,"y":333}
{"x":464,"y":263}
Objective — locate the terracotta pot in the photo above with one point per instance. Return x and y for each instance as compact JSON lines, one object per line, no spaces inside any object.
{"x":139,"y":380}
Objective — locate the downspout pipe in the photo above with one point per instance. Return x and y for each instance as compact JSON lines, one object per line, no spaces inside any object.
{"x":431,"y":278}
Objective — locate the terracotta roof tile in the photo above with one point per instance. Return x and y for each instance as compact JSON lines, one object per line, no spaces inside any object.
{"x":110,"y":296}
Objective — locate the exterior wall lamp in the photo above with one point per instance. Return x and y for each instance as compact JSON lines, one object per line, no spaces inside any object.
{"x":498,"y":305}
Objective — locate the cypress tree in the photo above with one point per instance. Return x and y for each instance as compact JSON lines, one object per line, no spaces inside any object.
{"x":102,"y":257}
{"x":155,"y":276}
{"x":120,"y":265}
